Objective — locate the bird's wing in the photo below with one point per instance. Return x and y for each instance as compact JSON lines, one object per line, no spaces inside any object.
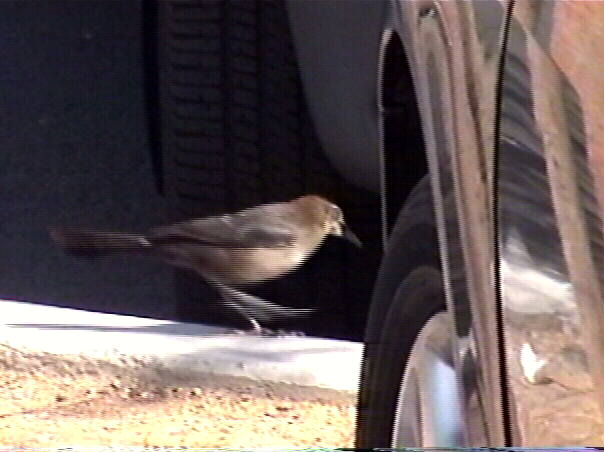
{"x":228,"y":231}
{"x":266,"y":236}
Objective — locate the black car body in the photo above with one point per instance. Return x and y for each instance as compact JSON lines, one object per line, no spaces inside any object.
{"x":509,"y":98}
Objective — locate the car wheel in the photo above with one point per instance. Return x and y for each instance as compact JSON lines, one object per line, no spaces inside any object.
{"x":408,"y":392}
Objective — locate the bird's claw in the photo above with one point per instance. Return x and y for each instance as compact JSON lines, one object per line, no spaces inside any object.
{"x":265,"y":332}
{"x":281,"y":333}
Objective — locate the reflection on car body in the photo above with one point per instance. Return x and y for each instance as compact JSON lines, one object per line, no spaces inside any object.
{"x":511,"y":107}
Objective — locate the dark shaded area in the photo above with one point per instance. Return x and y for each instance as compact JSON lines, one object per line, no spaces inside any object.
{"x":75,"y":151}
{"x":151,"y":84}
{"x":404,"y":149}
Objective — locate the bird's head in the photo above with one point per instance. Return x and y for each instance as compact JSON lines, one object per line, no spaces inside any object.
{"x":330,"y":218}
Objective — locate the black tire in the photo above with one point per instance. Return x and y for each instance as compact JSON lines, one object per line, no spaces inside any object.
{"x":236,"y":132}
{"x":408,"y":292}
{"x":235,"y":127}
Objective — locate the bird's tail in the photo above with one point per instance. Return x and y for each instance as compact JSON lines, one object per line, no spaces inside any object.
{"x":90,"y":243}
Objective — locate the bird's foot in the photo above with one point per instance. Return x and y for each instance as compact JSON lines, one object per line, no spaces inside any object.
{"x":260,"y":331}
{"x":266,"y":332}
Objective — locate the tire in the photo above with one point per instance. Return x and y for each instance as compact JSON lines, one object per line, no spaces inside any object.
{"x":236,"y":132}
{"x":407,"y":294}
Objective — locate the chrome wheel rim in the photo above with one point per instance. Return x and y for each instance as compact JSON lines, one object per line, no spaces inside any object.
{"x":428,"y":409}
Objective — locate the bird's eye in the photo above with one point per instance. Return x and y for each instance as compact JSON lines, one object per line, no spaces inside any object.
{"x":336,"y":213}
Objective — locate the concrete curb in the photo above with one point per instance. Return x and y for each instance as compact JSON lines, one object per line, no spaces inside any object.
{"x":188,"y":349}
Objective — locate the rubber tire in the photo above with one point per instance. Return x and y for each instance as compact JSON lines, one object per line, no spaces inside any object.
{"x":408,"y":292}
{"x":236,"y":132}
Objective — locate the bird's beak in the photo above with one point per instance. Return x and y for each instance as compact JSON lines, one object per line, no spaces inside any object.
{"x":351,"y":236}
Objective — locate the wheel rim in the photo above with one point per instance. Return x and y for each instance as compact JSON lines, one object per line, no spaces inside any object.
{"x":428,"y":412}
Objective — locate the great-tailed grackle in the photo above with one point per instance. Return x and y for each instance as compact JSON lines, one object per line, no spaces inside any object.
{"x":239,"y":249}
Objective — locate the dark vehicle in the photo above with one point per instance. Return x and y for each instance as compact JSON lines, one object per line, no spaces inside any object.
{"x":462,"y":139}
{"x":486,"y":325}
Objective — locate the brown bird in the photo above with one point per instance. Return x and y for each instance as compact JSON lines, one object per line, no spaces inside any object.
{"x":239,"y":249}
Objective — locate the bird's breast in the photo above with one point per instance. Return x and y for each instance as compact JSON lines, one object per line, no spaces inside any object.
{"x":240,"y":266}
{"x":254,"y":265}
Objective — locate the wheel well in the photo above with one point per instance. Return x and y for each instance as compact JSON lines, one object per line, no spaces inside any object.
{"x":405,"y":160}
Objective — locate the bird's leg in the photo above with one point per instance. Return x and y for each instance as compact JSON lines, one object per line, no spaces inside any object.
{"x":255,"y":309}
{"x":229,"y":296}
{"x":255,"y":325}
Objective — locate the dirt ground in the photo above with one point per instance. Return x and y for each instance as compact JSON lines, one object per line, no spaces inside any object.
{"x":52,"y":401}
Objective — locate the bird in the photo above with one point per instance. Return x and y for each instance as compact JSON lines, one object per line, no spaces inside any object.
{"x":229,"y":251}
